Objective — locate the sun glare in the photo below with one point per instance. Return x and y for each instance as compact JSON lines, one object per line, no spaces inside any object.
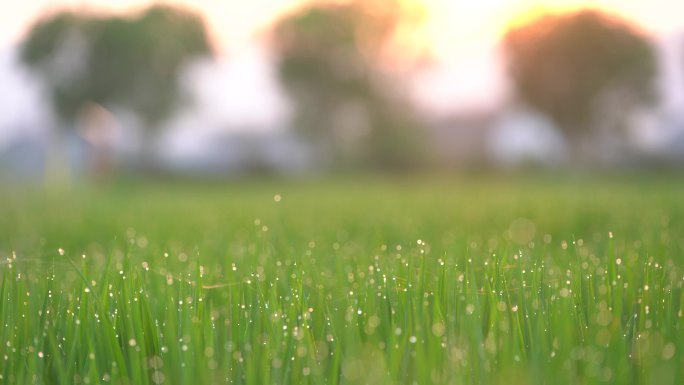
{"x":455,"y":28}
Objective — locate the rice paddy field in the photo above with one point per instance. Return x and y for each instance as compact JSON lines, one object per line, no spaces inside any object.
{"x":412,"y":281}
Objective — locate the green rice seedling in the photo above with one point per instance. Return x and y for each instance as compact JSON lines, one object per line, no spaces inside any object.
{"x":393,"y":282}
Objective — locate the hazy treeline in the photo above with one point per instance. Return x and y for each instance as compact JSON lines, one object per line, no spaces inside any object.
{"x":337,"y":63}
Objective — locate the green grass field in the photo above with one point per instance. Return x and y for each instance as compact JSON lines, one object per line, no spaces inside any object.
{"x":417,"y":281}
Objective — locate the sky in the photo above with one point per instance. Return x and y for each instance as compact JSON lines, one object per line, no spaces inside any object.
{"x":467,"y":73}
{"x":452,"y":25}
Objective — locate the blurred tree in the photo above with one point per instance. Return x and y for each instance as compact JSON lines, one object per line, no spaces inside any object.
{"x":583,"y":69}
{"x":56,"y":49}
{"x":130,"y":63}
{"x":331,"y":62}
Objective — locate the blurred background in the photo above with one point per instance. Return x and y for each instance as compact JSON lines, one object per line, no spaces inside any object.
{"x":94,"y":90}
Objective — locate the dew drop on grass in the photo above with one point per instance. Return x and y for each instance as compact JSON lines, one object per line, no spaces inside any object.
{"x":209,"y":352}
{"x":501,"y":306}
{"x":470,"y":308}
{"x":158,"y":377}
{"x":438,"y":329}
{"x":131,"y":342}
{"x":413,"y":339}
{"x":668,"y":351}
{"x":156,"y":362}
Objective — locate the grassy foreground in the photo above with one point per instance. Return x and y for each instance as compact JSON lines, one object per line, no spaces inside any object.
{"x":393,"y":282}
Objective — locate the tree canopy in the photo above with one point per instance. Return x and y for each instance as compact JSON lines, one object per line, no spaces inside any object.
{"x":128,"y":62}
{"x":329,"y":62}
{"x":575,"y":66}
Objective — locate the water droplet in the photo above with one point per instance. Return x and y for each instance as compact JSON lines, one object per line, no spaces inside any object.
{"x":668,"y":351}
{"x":438,"y":329}
{"x":158,"y":377}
